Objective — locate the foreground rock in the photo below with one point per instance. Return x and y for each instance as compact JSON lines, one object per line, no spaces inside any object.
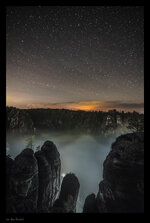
{"x":122,"y":188}
{"x":90,"y":204}
{"x":9,"y":165}
{"x":23,"y":183}
{"x":49,"y":166}
{"x":66,"y":203}
{"x":33,"y":180}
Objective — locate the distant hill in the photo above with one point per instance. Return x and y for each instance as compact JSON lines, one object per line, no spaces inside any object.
{"x":96,"y":122}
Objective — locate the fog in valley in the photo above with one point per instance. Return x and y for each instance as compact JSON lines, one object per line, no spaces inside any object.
{"x":82,"y":155}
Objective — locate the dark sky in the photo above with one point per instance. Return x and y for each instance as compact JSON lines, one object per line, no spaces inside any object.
{"x":75,"y":57}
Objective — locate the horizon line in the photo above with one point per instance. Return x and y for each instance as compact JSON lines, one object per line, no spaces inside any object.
{"x":113,"y":109}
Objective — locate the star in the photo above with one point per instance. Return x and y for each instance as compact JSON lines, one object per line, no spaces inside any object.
{"x":79,"y":53}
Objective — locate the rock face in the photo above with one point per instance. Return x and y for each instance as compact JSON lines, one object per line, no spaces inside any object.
{"x":90,"y":204}
{"x":9,"y":165}
{"x":19,"y":120}
{"x":23,"y":183}
{"x":66,"y":203}
{"x":122,"y":188}
{"x":33,"y":180}
{"x":49,"y":166}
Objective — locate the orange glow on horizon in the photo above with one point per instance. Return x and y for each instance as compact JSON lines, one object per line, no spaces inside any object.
{"x":84,"y":105}
{"x":87,"y":106}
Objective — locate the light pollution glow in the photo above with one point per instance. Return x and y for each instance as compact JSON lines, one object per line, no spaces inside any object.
{"x":77,"y":58}
{"x":82,"y":105}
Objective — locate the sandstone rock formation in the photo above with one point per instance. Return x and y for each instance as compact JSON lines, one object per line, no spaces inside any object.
{"x":9,"y":165}
{"x":122,"y":188}
{"x":33,"y":180}
{"x":90,"y":204}
{"x":23,"y":183}
{"x":66,"y":203}
{"x":49,"y":166}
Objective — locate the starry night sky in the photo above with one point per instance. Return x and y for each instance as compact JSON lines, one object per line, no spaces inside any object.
{"x":75,"y":57}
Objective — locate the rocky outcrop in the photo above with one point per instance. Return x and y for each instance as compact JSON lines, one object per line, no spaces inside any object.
{"x":23,"y":183}
{"x":49,"y":166}
{"x":33,"y":179}
{"x":66,"y":203}
{"x":19,"y":121}
{"x":33,"y":182}
{"x":122,"y":188}
{"x":9,"y":165}
{"x":90,"y":204}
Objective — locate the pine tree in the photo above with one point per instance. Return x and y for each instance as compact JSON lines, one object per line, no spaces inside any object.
{"x":30,"y":141}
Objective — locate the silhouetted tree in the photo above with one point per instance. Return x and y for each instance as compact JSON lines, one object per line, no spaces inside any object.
{"x":30,"y":141}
